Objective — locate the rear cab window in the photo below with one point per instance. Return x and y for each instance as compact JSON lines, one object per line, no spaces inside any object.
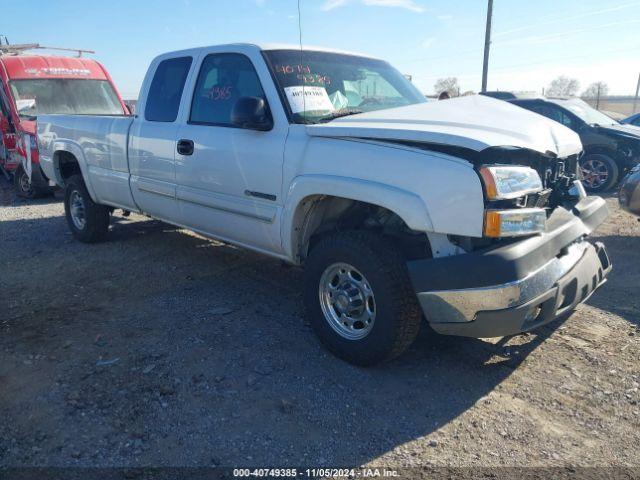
{"x":165,"y":92}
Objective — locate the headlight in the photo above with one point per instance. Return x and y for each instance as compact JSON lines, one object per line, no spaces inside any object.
{"x":503,"y":182}
{"x":513,"y":223}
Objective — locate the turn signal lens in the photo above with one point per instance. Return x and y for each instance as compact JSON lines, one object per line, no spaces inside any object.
{"x":513,"y":223}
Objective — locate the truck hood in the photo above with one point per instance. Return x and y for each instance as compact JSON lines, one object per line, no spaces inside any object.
{"x":475,"y":122}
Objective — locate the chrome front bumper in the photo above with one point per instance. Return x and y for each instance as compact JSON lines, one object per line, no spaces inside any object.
{"x":518,"y":287}
{"x":463,"y":305}
{"x":548,"y":293}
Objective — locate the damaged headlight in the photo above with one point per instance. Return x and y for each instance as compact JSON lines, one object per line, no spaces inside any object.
{"x":504,"y":182}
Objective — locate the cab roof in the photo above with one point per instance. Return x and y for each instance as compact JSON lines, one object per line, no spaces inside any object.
{"x":267,"y":47}
{"x":41,"y":66}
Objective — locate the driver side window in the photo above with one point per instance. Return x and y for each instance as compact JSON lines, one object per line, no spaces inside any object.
{"x":223,"y":79}
{"x":555,"y":114}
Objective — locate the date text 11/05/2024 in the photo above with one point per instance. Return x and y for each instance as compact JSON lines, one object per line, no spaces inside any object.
{"x":315,"y":472}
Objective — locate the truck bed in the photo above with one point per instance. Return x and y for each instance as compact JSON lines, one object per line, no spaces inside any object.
{"x":99,"y":143}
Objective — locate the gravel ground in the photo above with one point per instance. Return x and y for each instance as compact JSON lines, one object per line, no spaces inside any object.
{"x":160,"y":348}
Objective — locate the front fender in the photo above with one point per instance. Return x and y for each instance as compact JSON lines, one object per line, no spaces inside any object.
{"x":405,"y":204}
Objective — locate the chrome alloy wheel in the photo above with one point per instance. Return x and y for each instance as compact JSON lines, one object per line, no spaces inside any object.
{"x":77,"y":210}
{"x":594,"y":173}
{"x":347,"y":301}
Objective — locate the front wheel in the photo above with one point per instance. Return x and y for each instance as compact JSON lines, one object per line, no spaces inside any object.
{"x":88,"y":221}
{"x":359,"y":298}
{"x":599,"y":172}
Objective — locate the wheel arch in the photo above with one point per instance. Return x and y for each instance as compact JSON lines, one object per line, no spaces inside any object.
{"x":68,"y":159}
{"x":312,"y":197}
{"x":601,"y":149}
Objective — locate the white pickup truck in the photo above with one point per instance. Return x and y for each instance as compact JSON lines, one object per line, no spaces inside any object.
{"x":467,"y":211}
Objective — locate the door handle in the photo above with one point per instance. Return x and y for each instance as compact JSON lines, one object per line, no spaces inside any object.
{"x":185,"y":147}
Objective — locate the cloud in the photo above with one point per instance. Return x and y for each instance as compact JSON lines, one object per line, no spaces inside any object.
{"x":405,"y":4}
{"x":331,"y":4}
{"x":445,"y":17}
{"x":427,"y":42}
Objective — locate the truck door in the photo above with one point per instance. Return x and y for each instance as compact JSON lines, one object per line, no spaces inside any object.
{"x":7,"y":129}
{"x":230,"y":178}
{"x":152,"y":139}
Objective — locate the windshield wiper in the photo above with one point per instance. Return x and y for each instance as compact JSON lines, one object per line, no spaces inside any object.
{"x":339,"y":113}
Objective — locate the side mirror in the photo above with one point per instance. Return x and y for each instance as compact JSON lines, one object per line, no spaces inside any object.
{"x":251,"y":113}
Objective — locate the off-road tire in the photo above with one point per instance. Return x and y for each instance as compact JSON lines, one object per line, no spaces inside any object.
{"x":96,"y":216}
{"x":398,"y":313}
{"x":612,"y":170}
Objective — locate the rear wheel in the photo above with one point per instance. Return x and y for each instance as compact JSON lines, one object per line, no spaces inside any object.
{"x":359,"y":298}
{"x":23,"y":186}
{"x":599,"y":172}
{"x":88,"y":221}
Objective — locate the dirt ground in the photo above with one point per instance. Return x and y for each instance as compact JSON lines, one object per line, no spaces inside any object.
{"x":160,"y":348}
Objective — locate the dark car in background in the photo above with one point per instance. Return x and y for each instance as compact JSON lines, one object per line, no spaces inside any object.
{"x":632,"y":120}
{"x":500,"y":95}
{"x":629,"y":195}
{"x":611,"y":149}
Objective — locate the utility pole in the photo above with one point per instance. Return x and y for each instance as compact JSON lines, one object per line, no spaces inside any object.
{"x":487,"y":44}
{"x":635,"y":100}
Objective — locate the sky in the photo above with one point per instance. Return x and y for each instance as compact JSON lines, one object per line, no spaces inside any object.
{"x":532,"y":42}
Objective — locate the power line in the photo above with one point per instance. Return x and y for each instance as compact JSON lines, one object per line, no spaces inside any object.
{"x":539,"y":62}
{"x":519,"y":41}
{"x":565,"y":33}
{"x":564,"y":19}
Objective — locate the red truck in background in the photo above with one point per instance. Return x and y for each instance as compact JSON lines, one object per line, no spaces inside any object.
{"x":37,"y":84}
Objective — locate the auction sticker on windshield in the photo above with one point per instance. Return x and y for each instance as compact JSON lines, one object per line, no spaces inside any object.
{"x":308,"y":99}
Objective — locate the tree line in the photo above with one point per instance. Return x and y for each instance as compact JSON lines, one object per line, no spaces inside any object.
{"x":561,"y":86}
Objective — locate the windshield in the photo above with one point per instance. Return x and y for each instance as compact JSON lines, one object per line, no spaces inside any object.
{"x":337,"y":84}
{"x":60,"y":95}
{"x":587,"y":114}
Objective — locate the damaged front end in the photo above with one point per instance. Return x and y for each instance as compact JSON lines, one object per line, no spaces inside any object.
{"x":557,"y":175}
{"x":534,"y":269}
